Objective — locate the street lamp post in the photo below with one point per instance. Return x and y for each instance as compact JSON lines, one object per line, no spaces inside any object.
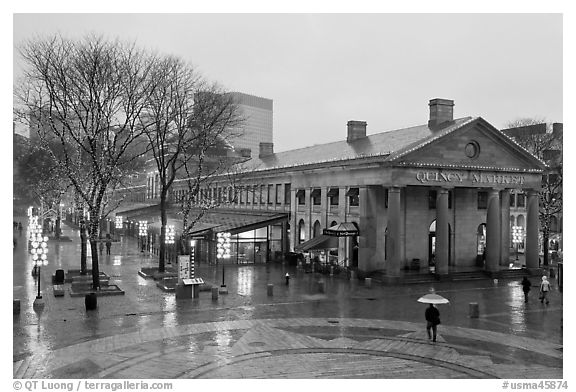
{"x":223,"y":251}
{"x":143,"y":233}
{"x":169,"y":240}
{"x":39,"y":253}
{"x":517,"y":236}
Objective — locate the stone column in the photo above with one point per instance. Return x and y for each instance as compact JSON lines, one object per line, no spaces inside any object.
{"x":293,"y":220}
{"x":505,"y":227}
{"x":324,"y":207}
{"x":394,"y":236}
{"x":442,"y":232}
{"x":493,"y":231}
{"x":532,"y":223}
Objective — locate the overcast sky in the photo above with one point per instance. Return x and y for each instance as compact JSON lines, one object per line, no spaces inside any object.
{"x":322,"y":70}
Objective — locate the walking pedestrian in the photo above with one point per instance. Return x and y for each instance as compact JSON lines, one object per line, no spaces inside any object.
{"x":432,"y":316}
{"x":108,"y":243}
{"x":544,"y":289}
{"x":526,"y":288}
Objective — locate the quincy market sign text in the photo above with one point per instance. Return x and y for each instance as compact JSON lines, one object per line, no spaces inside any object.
{"x":424,"y":176}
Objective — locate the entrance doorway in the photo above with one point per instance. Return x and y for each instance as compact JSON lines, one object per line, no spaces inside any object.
{"x":481,"y":245}
{"x":432,"y":245}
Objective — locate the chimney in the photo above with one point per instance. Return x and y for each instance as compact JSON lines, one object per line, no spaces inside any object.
{"x":441,"y":110}
{"x":356,"y":130}
{"x":266,"y":149}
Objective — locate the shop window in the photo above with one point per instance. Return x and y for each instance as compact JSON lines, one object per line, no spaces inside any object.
{"x":353,"y":197}
{"x":482,"y":200}
{"x":512,"y":199}
{"x":241,"y":190}
{"x":333,"y":196}
{"x":315,"y":195}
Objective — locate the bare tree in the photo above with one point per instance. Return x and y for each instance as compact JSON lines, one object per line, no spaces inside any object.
{"x":546,"y":145}
{"x":86,"y":95}
{"x":185,"y":119}
{"x":166,"y":119}
{"x":210,"y":159}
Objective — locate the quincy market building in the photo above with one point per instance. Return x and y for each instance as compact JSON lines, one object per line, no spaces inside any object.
{"x":438,"y":193}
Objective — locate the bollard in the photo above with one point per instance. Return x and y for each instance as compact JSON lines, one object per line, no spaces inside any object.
{"x":214,"y":293}
{"x":16,"y":306}
{"x":331,"y":270}
{"x":287,"y":278}
{"x":270,"y":289}
{"x":368,"y":282}
{"x":473,"y":310}
{"x":321,"y":286}
{"x":352,"y":275}
{"x":91,"y":301}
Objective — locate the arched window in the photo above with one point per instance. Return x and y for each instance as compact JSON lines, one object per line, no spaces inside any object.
{"x":521,"y":221}
{"x":317,"y":229}
{"x":301,"y":231}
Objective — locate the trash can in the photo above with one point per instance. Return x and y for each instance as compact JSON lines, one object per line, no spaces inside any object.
{"x":473,"y":310}
{"x":91,"y":301}
{"x":270,"y":289}
{"x":59,"y":276}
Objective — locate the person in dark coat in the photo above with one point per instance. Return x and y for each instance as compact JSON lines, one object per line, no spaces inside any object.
{"x":108,"y":243}
{"x":526,"y":288}
{"x":432,"y":316}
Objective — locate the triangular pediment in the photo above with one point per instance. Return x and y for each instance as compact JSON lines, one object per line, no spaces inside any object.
{"x":475,"y":145}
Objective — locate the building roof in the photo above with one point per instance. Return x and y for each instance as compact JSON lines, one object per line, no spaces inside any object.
{"x":384,"y":144}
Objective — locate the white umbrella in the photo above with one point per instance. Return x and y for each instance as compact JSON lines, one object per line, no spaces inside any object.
{"x":433,"y":299}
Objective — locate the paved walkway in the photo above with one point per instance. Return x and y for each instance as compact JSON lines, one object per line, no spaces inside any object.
{"x":349,"y":331}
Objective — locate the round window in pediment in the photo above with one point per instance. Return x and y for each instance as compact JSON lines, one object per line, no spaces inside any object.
{"x":472,"y":149}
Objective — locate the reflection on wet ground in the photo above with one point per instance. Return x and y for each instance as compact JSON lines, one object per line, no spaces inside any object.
{"x":64,"y":321}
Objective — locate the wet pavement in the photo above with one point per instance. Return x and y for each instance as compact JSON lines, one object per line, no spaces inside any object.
{"x":349,"y":331}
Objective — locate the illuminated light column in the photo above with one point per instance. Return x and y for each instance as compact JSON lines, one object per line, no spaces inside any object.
{"x":169,"y":239}
{"x":119,"y":221}
{"x":532,"y":222}
{"x":223,"y":250}
{"x":39,"y":253}
{"x":493,"y":230}
{"x":517,"y":237}
{"x":192,"y":258}
{"x":143,"y":233}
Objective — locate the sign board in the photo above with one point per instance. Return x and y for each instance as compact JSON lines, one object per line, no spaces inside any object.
{"x":193,"y":281}
{"x":183,"y":268}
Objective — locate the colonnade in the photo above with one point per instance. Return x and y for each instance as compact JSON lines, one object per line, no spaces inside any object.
{"x":497,"y":230}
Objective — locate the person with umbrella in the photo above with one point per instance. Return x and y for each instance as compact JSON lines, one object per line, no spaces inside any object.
{"x":432,"y":314}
